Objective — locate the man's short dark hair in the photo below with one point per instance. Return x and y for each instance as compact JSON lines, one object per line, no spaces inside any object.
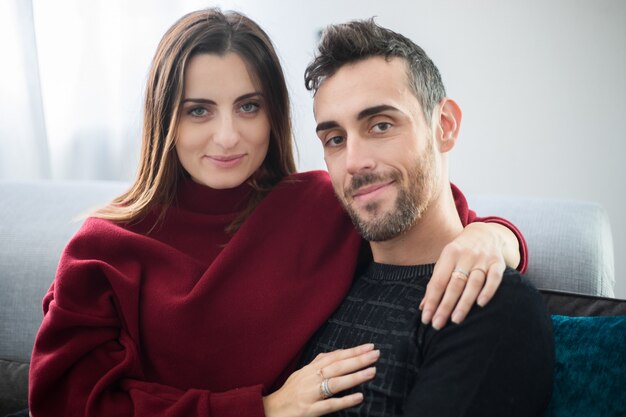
{"x":350,"y":42}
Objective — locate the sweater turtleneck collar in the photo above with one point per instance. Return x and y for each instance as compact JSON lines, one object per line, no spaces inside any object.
{"x":386,"y":272}
{"x":202,"y":199}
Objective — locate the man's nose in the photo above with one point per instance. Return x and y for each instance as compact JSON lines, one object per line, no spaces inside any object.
{"x":360,"y":155}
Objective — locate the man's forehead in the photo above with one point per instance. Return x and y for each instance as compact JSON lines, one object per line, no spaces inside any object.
{"x":357,"y":88}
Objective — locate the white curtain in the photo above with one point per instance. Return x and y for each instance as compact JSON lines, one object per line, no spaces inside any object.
{"x":72,"y":83}
{"x":23,"y":141}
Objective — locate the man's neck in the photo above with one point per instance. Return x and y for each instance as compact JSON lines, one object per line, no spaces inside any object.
{"x":424,"y":241}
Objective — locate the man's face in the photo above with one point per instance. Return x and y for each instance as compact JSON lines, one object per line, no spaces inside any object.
{"x":377,"y":145}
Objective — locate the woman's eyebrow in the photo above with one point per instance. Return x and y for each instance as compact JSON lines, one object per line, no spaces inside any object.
{"x":198,"y":100}
{"x":249,"y":95}
{"x":208,"y":101}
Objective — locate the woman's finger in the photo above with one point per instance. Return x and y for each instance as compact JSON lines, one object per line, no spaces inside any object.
{"x":324,"y":359}
{"x":474,"y":285}
{"x":331,"y":405}
{"x":456,"y":286}
{"x":341,"y":383}
{"x":439,"y":281}
{"x":494,"y":278}
{"x":350,"y":365}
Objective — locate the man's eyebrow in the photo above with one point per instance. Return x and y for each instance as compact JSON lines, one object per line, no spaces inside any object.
{"x":326,"y":125}
{"x":370,"y":111}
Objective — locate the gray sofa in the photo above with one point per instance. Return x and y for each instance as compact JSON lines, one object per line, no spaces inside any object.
{"x":569,"y":243}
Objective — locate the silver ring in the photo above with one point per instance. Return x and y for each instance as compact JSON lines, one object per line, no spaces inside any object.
{"x":462,"y":272}
{"x":325,"y":389}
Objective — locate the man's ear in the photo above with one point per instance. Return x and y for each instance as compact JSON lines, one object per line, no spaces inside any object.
{"x":448,"y":124}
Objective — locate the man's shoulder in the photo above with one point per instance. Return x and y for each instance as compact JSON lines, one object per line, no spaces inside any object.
{"x":517,"y":295}
{"x":513,"y":279}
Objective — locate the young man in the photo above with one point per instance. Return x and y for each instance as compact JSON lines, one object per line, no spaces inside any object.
{"x":386,"y":126}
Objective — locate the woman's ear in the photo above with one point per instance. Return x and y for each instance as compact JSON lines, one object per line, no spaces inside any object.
{"x":448,"y":124}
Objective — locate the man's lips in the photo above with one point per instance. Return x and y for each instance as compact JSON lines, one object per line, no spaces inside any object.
{"x":370,"y":191}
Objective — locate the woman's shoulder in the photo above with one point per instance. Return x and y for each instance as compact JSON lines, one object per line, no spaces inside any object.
{"x":306,"y":193}
{"x":98,"y":238}
{"x":99,"y":228}
{"x":304,"y":188}
{"x":307,"y":182}
{"x":96,"y":263}
{"x":311,"y":176}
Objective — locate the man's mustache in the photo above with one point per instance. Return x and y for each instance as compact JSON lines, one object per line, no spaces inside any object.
{"x":367,"y":178}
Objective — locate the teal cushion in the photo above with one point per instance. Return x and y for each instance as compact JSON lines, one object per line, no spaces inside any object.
{"x":590,"y":373}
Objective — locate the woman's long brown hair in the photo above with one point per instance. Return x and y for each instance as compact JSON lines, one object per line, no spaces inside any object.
{"x":214,"y":32}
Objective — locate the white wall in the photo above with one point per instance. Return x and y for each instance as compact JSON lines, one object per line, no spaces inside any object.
{"x":542,"y":85}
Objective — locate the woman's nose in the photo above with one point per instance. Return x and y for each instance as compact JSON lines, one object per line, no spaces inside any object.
{"x":227,"y":134}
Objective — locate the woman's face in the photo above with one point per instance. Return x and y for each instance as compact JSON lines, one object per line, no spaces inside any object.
{"x":224,"y":129}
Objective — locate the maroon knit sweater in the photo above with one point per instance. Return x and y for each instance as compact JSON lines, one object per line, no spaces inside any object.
{"x":177,"y":323}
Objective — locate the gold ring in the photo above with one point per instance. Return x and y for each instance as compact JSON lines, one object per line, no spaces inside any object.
{"x":463,"y":275}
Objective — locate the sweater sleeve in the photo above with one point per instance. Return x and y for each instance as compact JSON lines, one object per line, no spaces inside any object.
{"x":87,"y":358}
{"x":469,"y":216}
{"x":498,"y":362}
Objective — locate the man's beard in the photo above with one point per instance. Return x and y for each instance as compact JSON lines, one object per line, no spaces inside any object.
{"x":413,"y":198}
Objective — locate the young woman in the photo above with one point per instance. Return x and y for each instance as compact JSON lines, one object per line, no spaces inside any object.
{"x":193,"y":293}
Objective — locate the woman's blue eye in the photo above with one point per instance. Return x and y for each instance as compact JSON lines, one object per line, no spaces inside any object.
{"x":249,"y":107}
{"x":198,"y":112}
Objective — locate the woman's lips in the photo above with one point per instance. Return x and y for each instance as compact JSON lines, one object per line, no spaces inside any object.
{"x":225,"y":161}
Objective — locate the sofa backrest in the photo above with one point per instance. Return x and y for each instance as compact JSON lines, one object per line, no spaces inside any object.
{"x":36,"y":221}
{"x":570,"y":243}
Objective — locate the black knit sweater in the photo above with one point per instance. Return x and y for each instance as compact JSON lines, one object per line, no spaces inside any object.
{"x":381,"y":308}
{"x":498,"y":362}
